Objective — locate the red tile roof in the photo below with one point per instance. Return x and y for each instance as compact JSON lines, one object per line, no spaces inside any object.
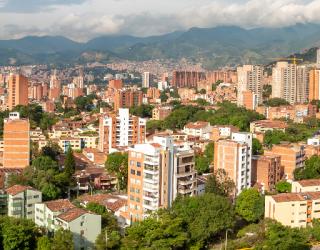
{"x":111,"y":202}
{"x":16,"y":189}
{"x":289,"y":197}
{"x":58,"y":205}
{"x":308,"y":183}
{"x":72,"y":214}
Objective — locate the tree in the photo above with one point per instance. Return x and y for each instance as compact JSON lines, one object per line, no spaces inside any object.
{"x":165,"y":232}
{"x":311,"y":170}
{"x":276,"y":102}
{"x":18,"y":234}
{"x":62,"y":240}
{"x":164,"y":96}
{"x":117,"y":163}
{"x":220,"y":183}
{"x":281,"y":237}
{"x":44,"y":243}
{"x":113,"y":242}
{"x":266,"y":91}
{"x":250,"y":205}
{"x":257,"y":148}
{"x":209,"y":151}
{"x":52,"y":150}
{"x":69,"y":163}
{"x":206,"y":216}
{"x":153,"y":125}
{"x":203,"y":92}
{"x":283,"y":187}
{"x":144,"y":110}
{"x":202,"y":164}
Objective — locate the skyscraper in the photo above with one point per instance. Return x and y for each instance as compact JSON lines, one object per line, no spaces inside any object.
{"x":18,"y":90}
{"x":16,"y":141}
{"x":302,"y":83}
{"x":314,"y":84}
{"x":249,"y":78}
{"x":318,"y":58}
{"x":146,"y":80}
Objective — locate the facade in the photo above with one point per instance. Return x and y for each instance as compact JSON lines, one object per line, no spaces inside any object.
{"x":263,"y":126}
{"x":18,"y":91}
{"x":266,"y":172}
{"x":161,"y":113}
{"x":127,"y":98}
{"x":120,"y":130}
{"x":189,"y":79}
{"x":234,"y":156}
{"x":22,"y":200}
{"x":292,"y":157}
{"x":293,"y":209}
{"x":249,"y":78}
{"x":222,"y":132}
{"x":115,"y":84}
{"x":249,"y":100}
{"x":314,"y":84}
{"x":146,"y":80}
{"x":16,"y":139}
{"x":201,"y":129}
{"x":158,"y":173}
{"x":290,"y":82}
{"x":85,"y":226}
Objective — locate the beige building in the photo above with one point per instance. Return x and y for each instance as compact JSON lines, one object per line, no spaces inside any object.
{"x":158,"y":173}
{"x":160,"y":113}
{"x":263,"y":126}
{"x":234,"y":156}
{"x":292,"y":157}
{"x":16,"y":140}
{"x":249,"y":78}
{"x":293,"y":209}
{"x":22,"y":200}
{"x":312,"y":185}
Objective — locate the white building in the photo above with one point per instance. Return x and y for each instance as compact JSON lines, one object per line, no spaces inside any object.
{"x":146,"y":80}
{"x":84,"y":225}
{"x":311,"y":185}
{"x":201,"y":129}
{"x":22,"y":200}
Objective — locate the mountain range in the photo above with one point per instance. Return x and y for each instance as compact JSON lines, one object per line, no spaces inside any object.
{"x":213,"y":47}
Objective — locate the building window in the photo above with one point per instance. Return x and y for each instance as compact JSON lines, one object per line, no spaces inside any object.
{"x":36,"y":196}
{"x":138,"y":173}
{"x":132,"y":171}
{"x":138,"y":164}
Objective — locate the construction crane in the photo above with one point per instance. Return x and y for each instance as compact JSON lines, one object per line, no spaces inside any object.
{"x":293,"y":59}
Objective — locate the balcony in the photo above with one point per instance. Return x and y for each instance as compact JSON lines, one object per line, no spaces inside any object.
{"x":186,"y":181}
{"x":150,"y":207}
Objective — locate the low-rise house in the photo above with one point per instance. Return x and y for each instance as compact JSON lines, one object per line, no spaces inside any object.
{"x":263,"y":126}
{"x":293,"y":209}
{"x":312,"y":185}
{"x":201,"y":129}
{"x":46,"y":212}
{"x":84,"y":225}
{"x":22,"y":200}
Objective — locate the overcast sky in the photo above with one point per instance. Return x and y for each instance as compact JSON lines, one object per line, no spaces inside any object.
{"x":84,"y":19}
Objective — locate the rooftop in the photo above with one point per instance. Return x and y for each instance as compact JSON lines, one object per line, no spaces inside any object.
{"x":289,"y":197}
{"x":58,"y":205}
{"x":16,"y":189}
{"x":72,"y":214}
{"x":308,"y":183}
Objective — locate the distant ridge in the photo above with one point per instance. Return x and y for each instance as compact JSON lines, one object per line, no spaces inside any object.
{"x":213,"y":47}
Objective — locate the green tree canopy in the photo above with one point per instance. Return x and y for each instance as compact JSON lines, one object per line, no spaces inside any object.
{"x":250,"y":205}
{"x":117,"y":163}
{"x":283,"y":187}
{"x":69,"y":163}
{"x":220,"y":183}
{"x":276,"y":102}
{"x":257,"y":148}
{"x":62,"y":240}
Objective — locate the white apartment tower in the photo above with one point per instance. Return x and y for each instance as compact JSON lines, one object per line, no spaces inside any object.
{"x":249,"y":78}
{"x":146,"y":80}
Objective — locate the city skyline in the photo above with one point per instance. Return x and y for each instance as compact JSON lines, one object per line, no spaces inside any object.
{"x":85,"y":19}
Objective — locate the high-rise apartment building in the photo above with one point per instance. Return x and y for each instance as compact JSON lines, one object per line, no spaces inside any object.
{"x":234,"y":156}
{"x":120,"y":130}
{"x":146,"y":80}
{"x":318,"y":57}
{"x":290,"y":82}
{"x":16,"y":140}
{"x":18,"y":90}
{"x":127,"y":98}
{"x":158,"y":173}
{"x":314,"y":84}
{"x":249,"y":78}
{"x":115,"y":84}
{"x":188,"y":79}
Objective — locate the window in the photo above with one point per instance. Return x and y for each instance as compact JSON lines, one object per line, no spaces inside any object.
{"x":36,"y":196}
{"x":131,"y":198}
{"x":132,"y":171}
{"x":138,"y":191}
{"x":81,"y":223}
{"x":137,"y":199}
{"x":138,"y":173}
{"x":138,"y":164}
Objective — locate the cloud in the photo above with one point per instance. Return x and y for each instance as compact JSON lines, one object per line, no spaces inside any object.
{"x":25,"y":6}
{"x":152,"y":17}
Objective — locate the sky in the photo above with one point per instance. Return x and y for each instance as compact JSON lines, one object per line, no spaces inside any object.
{"x":82,"y":20}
